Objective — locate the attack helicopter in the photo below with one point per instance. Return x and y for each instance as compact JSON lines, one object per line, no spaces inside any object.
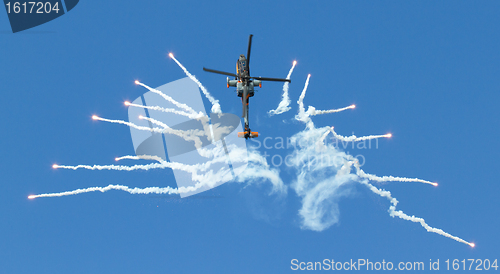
{"x":245,"y":85}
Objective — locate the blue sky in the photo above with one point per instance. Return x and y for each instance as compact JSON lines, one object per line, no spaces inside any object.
{"x":425,"y":72}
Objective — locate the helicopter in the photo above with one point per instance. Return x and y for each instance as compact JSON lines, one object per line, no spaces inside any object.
{"x":245,"y":85}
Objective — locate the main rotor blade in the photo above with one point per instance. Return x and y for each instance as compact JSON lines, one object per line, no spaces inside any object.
{"x":272,"y":79}
{"x":248,"y":53}
{"x":220,"y":72}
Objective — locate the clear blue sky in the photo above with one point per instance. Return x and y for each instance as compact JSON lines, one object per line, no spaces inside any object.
{"x":426,"y":72}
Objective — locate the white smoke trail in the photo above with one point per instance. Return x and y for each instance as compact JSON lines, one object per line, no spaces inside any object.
{"x":188,"y":135}
{"x":219,"y":156}
{"x":354,"y":138}
{"x":193,"y":135}
{"x":154,"y":130}
{"x":311,"y":111}
{"x":149,"y":190}
{"x":161,"y":165}
{"x":168,"y":98}
{"x":302,"y":115}
{"x":254,"y":173}
{"x":139,"y":157}
{"x":285,"y":100}
{"x":156,"y":122}
{"x":170,"y":110}
{"x":113,"y":167}
{"x":398,"y":213}
{"x":376,"y":178}
{"x":215,"y":103}
{"x":258,"y":169}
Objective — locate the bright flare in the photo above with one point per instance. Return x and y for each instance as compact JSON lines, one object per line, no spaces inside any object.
{"x":95,"y":117}
{"x":472,"y":244}
{"x":171,"y":55}
{"x":136,"y":82}
{"x":127,"y":103}
{"x":389,"y":135}
{"x":55,"y":166}
{"x":294,"y":63}
{"x":352,"y":106}
{"x":31,"y":197}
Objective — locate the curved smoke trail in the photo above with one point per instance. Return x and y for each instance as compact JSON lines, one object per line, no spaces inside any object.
{"x":283,"y":106}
